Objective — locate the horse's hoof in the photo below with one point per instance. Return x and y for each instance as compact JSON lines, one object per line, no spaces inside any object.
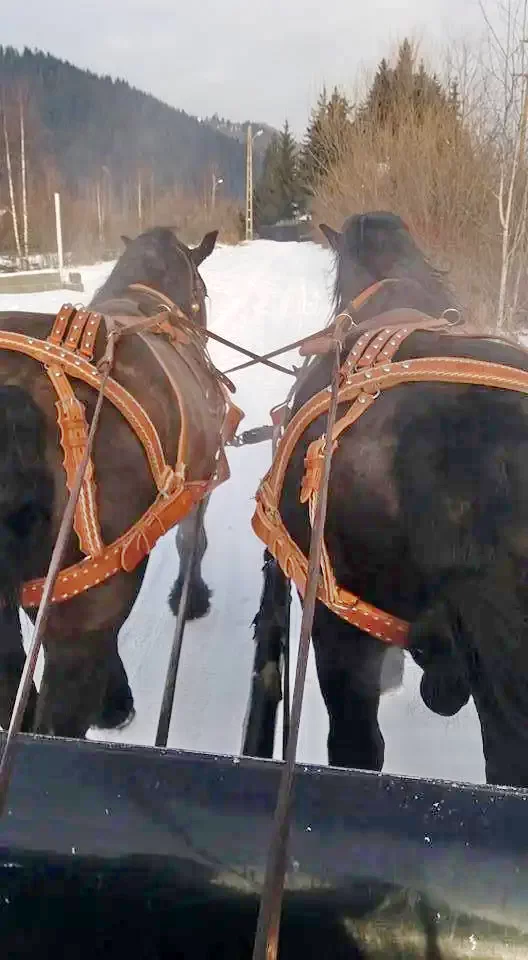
{"x":119,"y":720}
{"x":199,"y":603}
{"x":127,"y":721}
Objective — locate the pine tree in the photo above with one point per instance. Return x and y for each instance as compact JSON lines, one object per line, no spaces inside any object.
{"x":313,"y":155}
{"x":403,"y":75}
{"x":288,"y":174}
{"x":324,"y":137}
{"x":268,"y":191}
{"x":379,"y":99}
{"x":395,"y":92}
{"x":279,"y":194}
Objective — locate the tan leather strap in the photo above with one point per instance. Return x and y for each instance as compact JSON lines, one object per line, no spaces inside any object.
{"x":68,"y":351}
{"x":76,"y":329}
{"x":70,"y":327}
{"x":73,"y":428}
{"x":161,"y":300}
{"x":421,"y":370}
{"x":80,"y":368}
{"x":358,"y":302}
{"x":380,"y":343}
{"x":61,"y":322}
{"x":127,"y":551}
{"x":156,"y":297}
{"x":89,"y":335}
{"x":359,"y":389}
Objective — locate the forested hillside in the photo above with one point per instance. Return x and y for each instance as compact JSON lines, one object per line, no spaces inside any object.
{"x":117,"y":153}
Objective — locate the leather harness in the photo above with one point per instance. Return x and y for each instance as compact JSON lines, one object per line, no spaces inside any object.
{"x":68,"y":352}
{"x":368,"y":370}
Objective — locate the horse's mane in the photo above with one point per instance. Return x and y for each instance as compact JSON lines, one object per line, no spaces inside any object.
{"x":436,"y":282}
{"x":369,"y":241}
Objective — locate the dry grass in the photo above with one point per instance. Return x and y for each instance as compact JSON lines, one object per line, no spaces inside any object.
{"x":190,"y":215}
{"x":442,"y":180}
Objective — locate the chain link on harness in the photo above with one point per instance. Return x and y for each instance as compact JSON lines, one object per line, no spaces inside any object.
{"x":279,"y":416}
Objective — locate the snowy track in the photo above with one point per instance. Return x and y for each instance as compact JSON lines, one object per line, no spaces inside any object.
{"x":262,"y":295}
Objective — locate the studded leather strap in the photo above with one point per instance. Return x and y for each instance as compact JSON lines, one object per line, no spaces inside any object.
{"x":360,"y":389}
{"x":73,"y":428}
{"x":68,"y":352}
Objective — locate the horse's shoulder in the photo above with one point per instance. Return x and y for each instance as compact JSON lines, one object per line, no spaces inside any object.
{"x":24,"y":322}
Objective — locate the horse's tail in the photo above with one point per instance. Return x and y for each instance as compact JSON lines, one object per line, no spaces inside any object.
{"x":26,"y":489}
{"x":462,"y":474}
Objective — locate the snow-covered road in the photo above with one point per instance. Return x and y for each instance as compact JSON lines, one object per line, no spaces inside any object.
{"x":262,"y":295}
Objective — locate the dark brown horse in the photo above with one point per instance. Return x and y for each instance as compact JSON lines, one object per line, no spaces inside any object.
{"x":427,"y":520}
{"x":84,"y":680}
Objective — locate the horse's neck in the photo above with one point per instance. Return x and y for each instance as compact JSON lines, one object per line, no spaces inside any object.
{"x":403,"y":294}
{"x":119,"y":306}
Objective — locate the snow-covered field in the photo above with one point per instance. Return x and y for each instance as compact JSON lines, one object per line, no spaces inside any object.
{"x":262,"y":295}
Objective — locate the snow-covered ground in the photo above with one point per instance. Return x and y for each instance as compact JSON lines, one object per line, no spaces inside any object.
{"x":262,"y":295}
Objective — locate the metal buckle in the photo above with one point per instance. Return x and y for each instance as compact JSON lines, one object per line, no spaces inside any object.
{"x":457,"y":316}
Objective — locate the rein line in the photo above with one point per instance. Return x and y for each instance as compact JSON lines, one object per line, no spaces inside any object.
{"x":268,"y":925}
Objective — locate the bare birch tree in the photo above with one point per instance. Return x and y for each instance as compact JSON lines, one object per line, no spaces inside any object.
{"x":508,"y":71}
{"x":10,"y":181}
{"x":23,"y":176}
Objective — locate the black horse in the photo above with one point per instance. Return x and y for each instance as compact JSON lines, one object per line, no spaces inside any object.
{"x":427,"y":519}
{"x":167,"y":265}
{"x":84,"y":680}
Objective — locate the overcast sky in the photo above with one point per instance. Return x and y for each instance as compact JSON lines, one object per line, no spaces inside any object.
{"x":263,"y":60}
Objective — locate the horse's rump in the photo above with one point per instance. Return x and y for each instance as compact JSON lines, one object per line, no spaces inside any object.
{"x":163,"y":382}
{"x":372,"y":365}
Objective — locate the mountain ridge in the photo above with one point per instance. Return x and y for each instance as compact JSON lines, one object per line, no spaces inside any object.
{"x":87,"y":123}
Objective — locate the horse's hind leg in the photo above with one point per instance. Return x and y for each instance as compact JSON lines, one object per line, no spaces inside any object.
{"x":349,"y":666}
{"x":75,"y":680}
{"x":117,"y":710}
{"x":271,"y":636}
{"x":199,"y":593}
{"x":12,"y":659}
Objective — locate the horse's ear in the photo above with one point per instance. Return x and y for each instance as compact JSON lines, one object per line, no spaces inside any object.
{"x":199,"y":254}
{"x":126,"y":240}
{"x":335,"y":239}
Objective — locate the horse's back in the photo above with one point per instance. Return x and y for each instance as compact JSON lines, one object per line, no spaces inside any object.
{"x":396,"y":438}
{"x":170,"y":380}
{"x":466,"y":343}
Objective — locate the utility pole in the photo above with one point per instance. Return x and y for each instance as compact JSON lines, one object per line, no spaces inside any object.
{"x":216,"y":183}
{"x":58,"y":226}
{"x":249,"y":180}
{"x":140,"y":201}
{"x":249,"y":184}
